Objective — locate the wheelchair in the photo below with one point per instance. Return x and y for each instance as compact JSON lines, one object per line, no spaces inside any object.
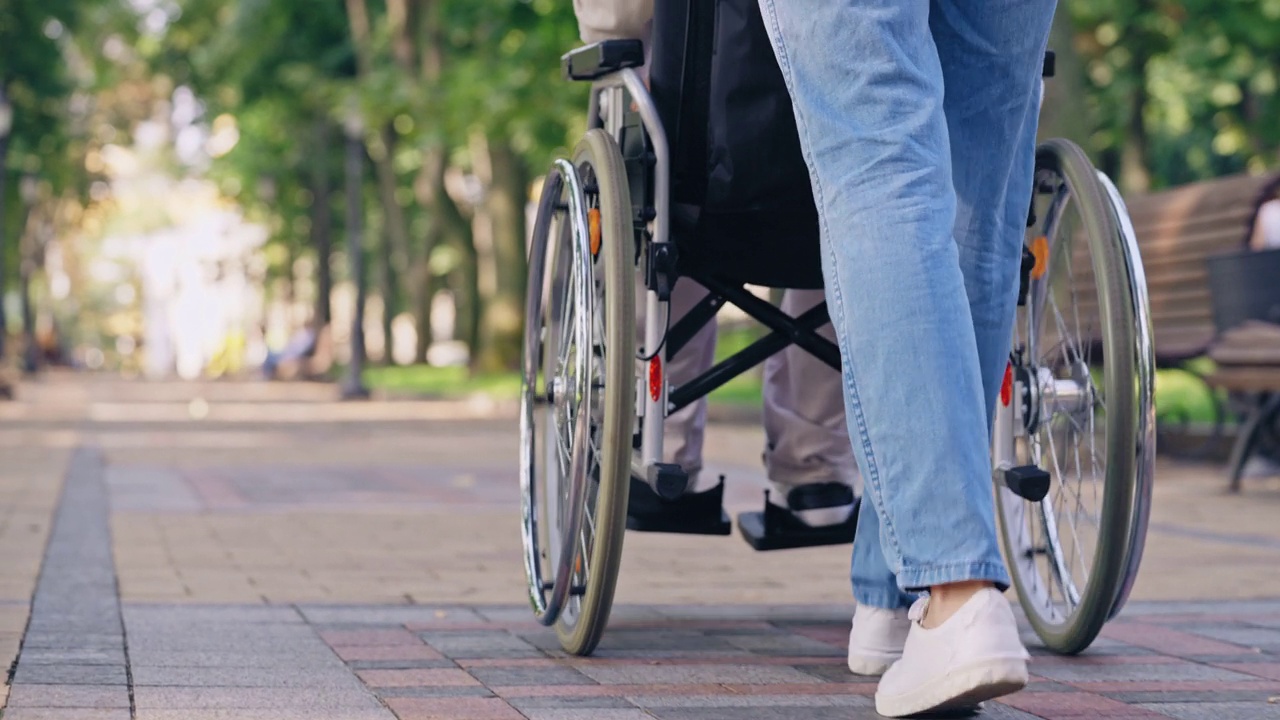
{"x":699,"y":175}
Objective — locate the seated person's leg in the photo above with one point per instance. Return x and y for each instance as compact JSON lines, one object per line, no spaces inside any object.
{"x":699,"y":509}
{"x":807,"y":452}
{"x":611,"y":19}
{"x":685,"y":429}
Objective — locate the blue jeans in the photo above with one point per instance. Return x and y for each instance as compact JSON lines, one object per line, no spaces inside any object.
{"x":922,"y":200}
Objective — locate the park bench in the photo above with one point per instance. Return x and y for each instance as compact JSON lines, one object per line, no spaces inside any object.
{"x":1246,"y":308}
{"x":1181,"y":232}
{"x":1178,"y":230}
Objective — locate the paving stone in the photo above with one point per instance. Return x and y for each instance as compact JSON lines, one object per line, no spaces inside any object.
{"x":1171,"y":672}
{"x":146,"y":614}
{"x":745,"y":712}
{"x":1184,"y":696}
{"x":832,"y":673}
{"x":453,"y":709}
{"x":668,"y":640}
{"x":399,"y":664}
{"x":30,"y":674}
{"x":1201,"y":607}
{"x":412,"y":678}
{"x":525,"y":705}
{"x":232,"y":698}
{"x":781,"y":644}
{"x":436,"y":691}
{"x":51,"y":656}
{"x":720,"y":701}
{"x":511,"y":676}
{"x":1269,"y":670}
{"x":1169,"y":640}
{"x":1238,"y":634}
{"x":388,"y":652}
{"x":588,"y":714}
{"x":386,"y":615}
{"x":379,"y":713}
{"x":69,"y":696}
{"x":1071,"y":704}
{"x":73,"y":641}
{"x":320,"y":657}
{"x":479,"y":645}
{"x":65,"y":714}
{"x":381,"y":637}
{"x":696,"y":674}
{"x":1218,"y":711}
{"x":281,"y":675}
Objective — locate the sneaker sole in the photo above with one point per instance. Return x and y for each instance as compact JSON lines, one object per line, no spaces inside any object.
{"x":870,"y":665}
{"x":963,"y":688}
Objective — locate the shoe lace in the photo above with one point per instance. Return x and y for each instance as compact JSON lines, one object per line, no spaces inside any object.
{"x":918,"y":609}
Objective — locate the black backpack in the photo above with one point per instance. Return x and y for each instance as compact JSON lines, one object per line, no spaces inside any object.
{"x":741,"y":201}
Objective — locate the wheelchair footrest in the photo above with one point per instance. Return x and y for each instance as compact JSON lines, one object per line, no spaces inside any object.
{"x":777,"y":529}
{"x":690,"y":514}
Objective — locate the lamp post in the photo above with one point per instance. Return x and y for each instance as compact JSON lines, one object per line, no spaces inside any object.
{"x":6,"y":128}
{"x":29,"y":190}
{"x":353,"y":385}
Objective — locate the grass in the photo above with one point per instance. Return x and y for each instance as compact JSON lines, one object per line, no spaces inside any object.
{"x":1179,"y":395}
{"x":441,"y":382}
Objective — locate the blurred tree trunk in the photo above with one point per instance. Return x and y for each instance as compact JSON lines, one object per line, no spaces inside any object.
{"x":4,"y":174}
{"x":28,"y":259}
{"x":395,"y":228}
{"x":1135,"y":160}
{"x":322,"y":225}
{"x":382,"y":152}
{"x":353,"y":384}
{"x":387,"y":278}
{"x":429,"y":189}
{"x":467,"y":287}
{"x":429,"y":185}
{"x":1064,"y":115}
{"x":501,"y":219}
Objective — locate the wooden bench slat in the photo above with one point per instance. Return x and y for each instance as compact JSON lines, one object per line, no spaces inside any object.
{"x":1177,"y":230}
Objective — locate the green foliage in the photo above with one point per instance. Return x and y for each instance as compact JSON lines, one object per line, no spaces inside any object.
{"x":1202,"y":73}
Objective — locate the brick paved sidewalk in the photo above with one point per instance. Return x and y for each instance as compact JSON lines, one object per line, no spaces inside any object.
{"x":325,"y":563}
{"x":1181,"y":660}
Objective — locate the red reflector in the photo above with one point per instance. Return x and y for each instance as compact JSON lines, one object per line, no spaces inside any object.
{"x":1006,"y":387}
{"x":655,"y":379}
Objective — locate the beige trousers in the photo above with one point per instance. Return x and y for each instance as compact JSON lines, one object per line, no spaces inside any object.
{"x":806,"y":440}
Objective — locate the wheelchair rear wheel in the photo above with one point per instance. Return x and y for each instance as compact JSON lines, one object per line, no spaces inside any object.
{"x":578,"y":391}
{"x":1078,"y":401}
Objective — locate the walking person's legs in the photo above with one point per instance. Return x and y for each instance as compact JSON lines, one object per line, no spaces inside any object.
{"x":867,"y":79}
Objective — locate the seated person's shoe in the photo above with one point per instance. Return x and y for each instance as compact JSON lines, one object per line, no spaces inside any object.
{"x":693,"y":513}
{"x":816,"y":505}
{"x":976,"y":655}
{"x":876,"y":639}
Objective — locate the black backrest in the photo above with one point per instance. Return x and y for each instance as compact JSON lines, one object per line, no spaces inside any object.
{"x":1245,"y":286}
{"x":743,"y":208}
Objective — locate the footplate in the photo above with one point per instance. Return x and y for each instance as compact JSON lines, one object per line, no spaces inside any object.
{"x":777,"y":529}
{"x":690,"y":514}
{"x":1027,"y":482}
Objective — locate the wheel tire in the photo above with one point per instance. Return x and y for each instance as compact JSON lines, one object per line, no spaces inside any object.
{"x":1117,"y":306}
{"x":615,"y":267}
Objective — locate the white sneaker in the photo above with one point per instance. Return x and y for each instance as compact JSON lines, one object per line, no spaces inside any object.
{"x":876,"y":639}
{"x":975,"y":655}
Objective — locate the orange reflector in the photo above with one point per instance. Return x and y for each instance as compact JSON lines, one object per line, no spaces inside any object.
{"x":655,"y":379}
{"x":1006,"y":387}
{"x":593,"y":225}
{"x":1040,"y":249}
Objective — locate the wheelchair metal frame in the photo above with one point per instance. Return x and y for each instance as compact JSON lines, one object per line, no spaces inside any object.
{"x":662,"y":339}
